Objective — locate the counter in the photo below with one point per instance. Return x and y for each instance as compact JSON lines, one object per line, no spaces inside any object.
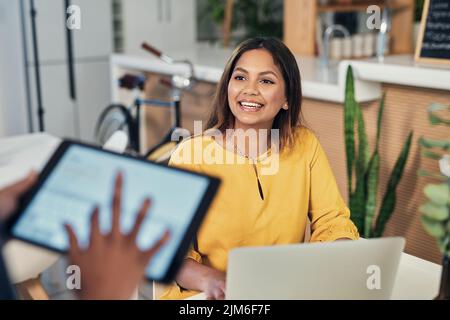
{"x":317,"y":82}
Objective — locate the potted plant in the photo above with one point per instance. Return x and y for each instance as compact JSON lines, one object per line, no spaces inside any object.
{"x":250,"y":18}
{"x":435,"y":212}
{"x":363,"y":198}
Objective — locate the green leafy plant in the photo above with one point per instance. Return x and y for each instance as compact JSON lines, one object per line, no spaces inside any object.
{"x":257,"y":17}
{"x":363,"y":198}
{"x":435,"y":212}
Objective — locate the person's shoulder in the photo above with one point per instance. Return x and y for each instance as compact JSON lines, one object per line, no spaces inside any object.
{"x":195,"y":141}
{"x":190,"y":148}
{"x":305,"y":139}
{"x":304,"y":133}
{"x":304,"y":146}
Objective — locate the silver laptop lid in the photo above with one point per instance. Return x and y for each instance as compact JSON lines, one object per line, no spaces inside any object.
{"x":362,"y":269}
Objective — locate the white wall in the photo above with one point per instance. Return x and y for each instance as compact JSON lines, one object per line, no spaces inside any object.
{"x":13,"y":113}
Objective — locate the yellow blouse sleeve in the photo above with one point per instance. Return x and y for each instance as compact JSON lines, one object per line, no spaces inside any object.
{"x":180,"y":159}
{"x":194,"y":255}
{"x":329,"y":215}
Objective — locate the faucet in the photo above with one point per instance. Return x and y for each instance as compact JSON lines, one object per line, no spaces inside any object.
{"x":326,"y":41}
{"x":385,"y":27}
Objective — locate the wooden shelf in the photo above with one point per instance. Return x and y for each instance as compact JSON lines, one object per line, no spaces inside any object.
{"x":353,"y":7}
{"x":300,"y":22}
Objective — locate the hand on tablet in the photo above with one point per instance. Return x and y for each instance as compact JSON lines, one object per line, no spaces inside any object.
{"x":10,"y":195}
{"x":112,"y":266}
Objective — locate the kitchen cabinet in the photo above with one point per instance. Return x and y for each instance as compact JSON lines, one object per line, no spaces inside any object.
{"x":168,"y":25}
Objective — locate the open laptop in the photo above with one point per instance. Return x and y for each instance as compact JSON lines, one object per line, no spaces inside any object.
{"x":362,"y":269}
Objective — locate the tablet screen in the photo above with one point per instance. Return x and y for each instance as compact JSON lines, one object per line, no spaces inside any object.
{"x":84,"y":177}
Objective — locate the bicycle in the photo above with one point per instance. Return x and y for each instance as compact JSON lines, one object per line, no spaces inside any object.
{"x":117,"y":117}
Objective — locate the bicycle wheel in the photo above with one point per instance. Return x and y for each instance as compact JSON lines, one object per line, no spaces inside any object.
{"x":115,"y":117}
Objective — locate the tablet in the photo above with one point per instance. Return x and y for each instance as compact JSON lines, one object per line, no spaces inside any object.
{"x":79,"y":177}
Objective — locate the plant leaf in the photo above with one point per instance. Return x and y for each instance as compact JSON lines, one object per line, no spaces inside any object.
{"x":432,"y":143}
{"x":444,"y":243}
{"x":439,"y":194}
{"x":433,"y":228}
{"x":372,"y":176}
{"x":389,"y":199}
{"x":372,"y":187}
{"x":434,"y":212}
{"x":355,"y":214}
{"x":379,"y":120}
{"x":431,"y":155}
{"x":359,"y":205}
{"x":424,"y":173}
{"x":349,"y":125}
{"x":363,"y":159}
{"x":434,"y":118}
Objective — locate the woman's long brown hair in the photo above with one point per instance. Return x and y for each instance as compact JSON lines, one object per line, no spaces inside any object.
{"x":286,"y":120}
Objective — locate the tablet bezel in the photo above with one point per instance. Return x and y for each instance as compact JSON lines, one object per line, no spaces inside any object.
{"x":180,"y":255}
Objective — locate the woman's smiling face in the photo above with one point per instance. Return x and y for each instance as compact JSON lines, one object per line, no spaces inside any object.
{"x":256,"y":90}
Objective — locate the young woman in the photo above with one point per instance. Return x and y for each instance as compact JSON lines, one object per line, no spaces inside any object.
{"x":260,"y":91}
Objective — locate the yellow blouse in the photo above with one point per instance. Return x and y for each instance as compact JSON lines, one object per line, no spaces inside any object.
{"x":303,"y":187}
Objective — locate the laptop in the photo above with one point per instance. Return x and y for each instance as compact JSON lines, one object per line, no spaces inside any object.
{"x":361,"y":270}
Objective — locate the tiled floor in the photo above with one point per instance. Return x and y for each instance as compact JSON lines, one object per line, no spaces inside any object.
{"x":54,"y":283}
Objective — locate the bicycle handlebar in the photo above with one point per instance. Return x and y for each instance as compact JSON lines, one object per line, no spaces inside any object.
{"x":149,"y":48}
{"x":157,"y":53}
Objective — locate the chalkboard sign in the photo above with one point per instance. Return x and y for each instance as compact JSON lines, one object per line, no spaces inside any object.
{"x":433,"y":44}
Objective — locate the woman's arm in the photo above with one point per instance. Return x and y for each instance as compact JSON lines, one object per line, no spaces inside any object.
{"x":196,"y":276}
{"x":193,"y":275}
{"x":329,"y":215}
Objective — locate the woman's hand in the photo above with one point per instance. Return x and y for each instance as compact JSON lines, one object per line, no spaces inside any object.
{"x":195,"y":276}
{"x":214,"y":285}
{"x":113,"y":265}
